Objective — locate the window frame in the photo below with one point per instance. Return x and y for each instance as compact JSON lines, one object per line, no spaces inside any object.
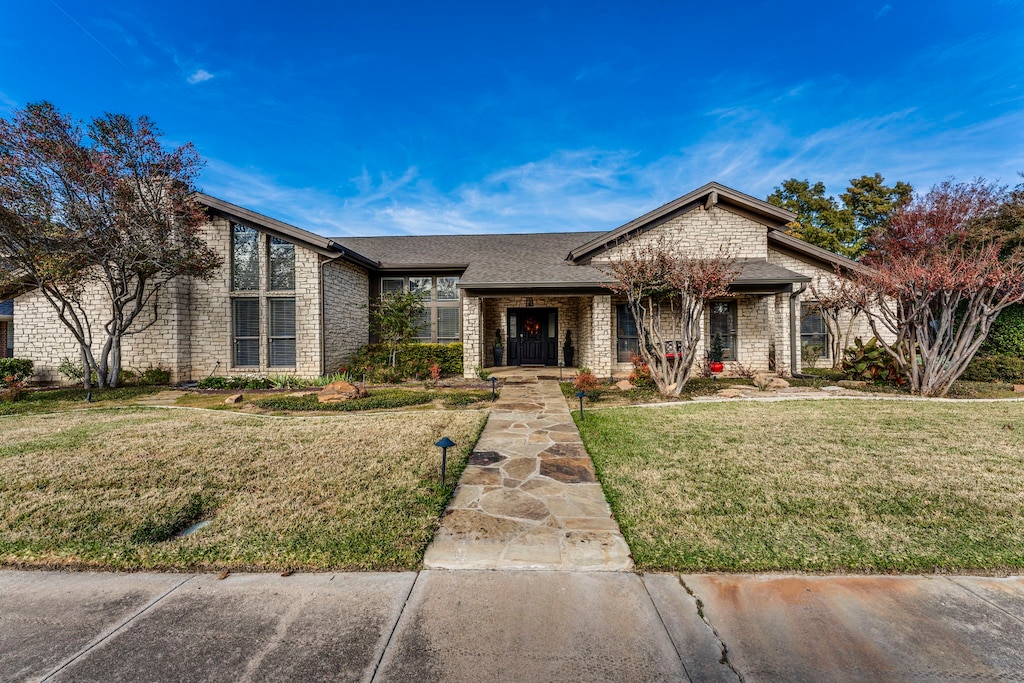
{"x":236,"y":338}
{"x":236,"y":228}
{"x":805,"y":314}
{"x":625,"y":343}
{"x":432,"y":303}
{"x":731,"y":340}
{"x":273,"y":242}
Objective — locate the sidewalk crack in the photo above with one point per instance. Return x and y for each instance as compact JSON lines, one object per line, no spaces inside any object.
{"x":721,"y":642}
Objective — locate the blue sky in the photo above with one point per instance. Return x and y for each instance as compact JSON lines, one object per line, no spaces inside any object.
{"x":390,"y":118}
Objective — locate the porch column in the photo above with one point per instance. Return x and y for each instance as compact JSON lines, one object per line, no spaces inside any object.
{"x":472,"y":344}
{"x":782,"y":331}
{"x":601,"y":336}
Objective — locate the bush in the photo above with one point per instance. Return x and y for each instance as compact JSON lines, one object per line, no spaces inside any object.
{"x":1006,"y":337}
{"x":242,"y":382}
{"x":870,"y":362}
{"x":1001,"y":367}
{"x":14,"y":370}
{"x":155,"y":376}
{"x":641,"y":375}
{"x":413,"y":360}
{"x":378,"y":400}
{"x":460,"y":399}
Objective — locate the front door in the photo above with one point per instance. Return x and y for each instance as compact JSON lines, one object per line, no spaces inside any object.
{"x":533,"y":336}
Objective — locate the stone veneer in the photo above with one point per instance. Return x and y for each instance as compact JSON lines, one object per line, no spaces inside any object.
{"x":192,"y":335}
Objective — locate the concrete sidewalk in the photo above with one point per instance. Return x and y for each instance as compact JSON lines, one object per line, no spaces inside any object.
{"x":508,"y":626}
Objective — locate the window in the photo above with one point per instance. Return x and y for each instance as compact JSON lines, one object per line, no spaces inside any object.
{"x":245,"y":315}
{"x":813,"y":333}
{"x":441,"y":319}
{"x":245,"y":258}
{"x":281,"y":258}
{"x":628,"y":337}
{"x":723,"y":324}
{"x":447,"y":325}
{"x":281,"y":332}
{"x":447,"y":289}
{"x":392,"y":285}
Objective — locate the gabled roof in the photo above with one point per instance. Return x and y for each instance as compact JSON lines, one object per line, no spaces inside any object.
{"x":488,"y":261}
{"x":310,"y":240}
{"x":711,"y":194}
{"x":797,"y":245}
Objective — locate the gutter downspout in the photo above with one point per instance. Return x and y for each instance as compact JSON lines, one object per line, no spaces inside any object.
{"x":794,"y":335}
{"x":323,"y":312}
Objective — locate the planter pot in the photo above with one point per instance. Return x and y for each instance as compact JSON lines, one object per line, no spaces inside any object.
{"x":717,"y":366}
{"x":569,"y":356}
{"x":497,"y":355}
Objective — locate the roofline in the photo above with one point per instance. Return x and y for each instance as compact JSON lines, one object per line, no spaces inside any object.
{"x":322,"y":245}
{"x":807,"y":249}
{"x":713,"y":193}
{"x":534,"y":285}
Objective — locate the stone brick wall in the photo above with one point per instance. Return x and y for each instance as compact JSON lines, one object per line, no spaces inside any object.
{"x":472,"y":343}
{"x":495,"y":317}
{"x":346,"y":290}
{"x":701,"y":231}
{"x":192,"y":335}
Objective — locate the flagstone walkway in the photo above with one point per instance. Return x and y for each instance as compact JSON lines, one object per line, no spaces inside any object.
{"x":529,"y":498}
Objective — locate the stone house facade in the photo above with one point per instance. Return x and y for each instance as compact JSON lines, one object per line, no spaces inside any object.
{"x":290,"y":301}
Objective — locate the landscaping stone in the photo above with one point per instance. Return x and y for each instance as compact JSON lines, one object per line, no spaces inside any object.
{"x":852,"y":383}
{"x":1018,"y":388}
{"x":777,"y":383}
{"x":831,"y":389}
{"x":624,"y":385}
{"x":730,"y":393}
{"x":234,"y":399}
{"x":529,"y":497}
{"x":336,"y":392}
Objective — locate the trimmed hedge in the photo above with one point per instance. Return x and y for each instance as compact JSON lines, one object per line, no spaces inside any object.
{"x":1006,"y":335}
{"x":378,"y":400}
{"x":19,"y":369}
{"x":1002,"y":367}
{"x":413,"y":359}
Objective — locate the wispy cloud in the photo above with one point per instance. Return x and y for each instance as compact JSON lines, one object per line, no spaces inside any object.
{"x":199,"y":76}
{"x":882,"y":12}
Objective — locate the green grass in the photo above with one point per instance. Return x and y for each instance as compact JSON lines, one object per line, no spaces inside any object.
{"x":52,"y":400}
{"x":815,"y":485}
{"x":112,"y":488}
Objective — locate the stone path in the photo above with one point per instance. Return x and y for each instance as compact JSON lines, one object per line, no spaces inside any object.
{"x":529,"y":498}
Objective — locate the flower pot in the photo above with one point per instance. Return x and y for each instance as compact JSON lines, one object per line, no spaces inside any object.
{"x":569,"y":355}
{"x":497,"y":355}
{"x":717,"y":366}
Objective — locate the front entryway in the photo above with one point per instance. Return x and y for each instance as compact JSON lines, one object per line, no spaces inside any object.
{"x":533,"y":336}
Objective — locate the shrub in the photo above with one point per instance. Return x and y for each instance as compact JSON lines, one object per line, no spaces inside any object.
{"x":155,"y":376}
{"x":1001,"y":367}
{"x":242,"y":382}
{"x":14,"y":370}
{"x":413,"y":359}
{"x":871,"y":362}
{"x":1006,"y":337}
{"x":71,"y":371}
{"x":641,"y":375}
{"x":378,"y":400}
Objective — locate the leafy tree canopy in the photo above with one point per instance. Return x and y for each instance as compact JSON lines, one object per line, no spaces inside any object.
{"x":844,"y":226}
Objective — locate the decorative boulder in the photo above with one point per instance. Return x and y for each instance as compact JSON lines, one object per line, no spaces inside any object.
{"x":336,"y":392}
{"x":777,"y":383}
{"x":624,"y":385}
{"x":233,"y":399}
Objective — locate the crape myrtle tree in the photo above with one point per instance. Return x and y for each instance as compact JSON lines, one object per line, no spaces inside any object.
{"x":831,"y":303}
{"x":667,"y":293}
{"x":939,"y":274}
{"x":99,"y":218}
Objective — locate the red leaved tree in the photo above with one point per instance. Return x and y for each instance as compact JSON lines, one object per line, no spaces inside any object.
{"x":99,"y":221}
{"x":667,"y":293}
{"x":937,"y":280}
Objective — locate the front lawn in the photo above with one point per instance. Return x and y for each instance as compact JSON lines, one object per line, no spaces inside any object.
{"x":52,"y":400}
{"x":112,"y":489}
{"x":815,"y":485}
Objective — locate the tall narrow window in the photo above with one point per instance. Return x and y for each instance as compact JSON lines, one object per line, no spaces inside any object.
{"x":281,"y":332}
{"x":245,"y":315}
{"x":813,"y":333}
{"x":447,"y":325}
{"x":281,"y":258}
{"x":424,"y":332}
{"x":723,"y":324}
{"x":628,"y":338}
{"x":245,"y":258}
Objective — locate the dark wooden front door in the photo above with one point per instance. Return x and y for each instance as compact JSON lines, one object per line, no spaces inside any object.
{"x":533,"y":336}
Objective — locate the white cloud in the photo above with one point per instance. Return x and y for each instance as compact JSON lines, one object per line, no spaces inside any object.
{"x":882,"y":12}
{"x":199,"y":76}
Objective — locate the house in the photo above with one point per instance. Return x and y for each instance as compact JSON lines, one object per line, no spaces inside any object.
{"x":7,"y":328}
{"x":291,"y":301}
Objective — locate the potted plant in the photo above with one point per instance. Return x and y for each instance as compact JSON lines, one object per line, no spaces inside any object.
{"x":568,"y":352}
{"x":715,"y":354}
{"x":498,"y":348}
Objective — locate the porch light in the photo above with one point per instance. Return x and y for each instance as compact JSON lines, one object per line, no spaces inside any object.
{"x":494,"y":383}
{"x":580,"y":395}
{"x":444,"y":444}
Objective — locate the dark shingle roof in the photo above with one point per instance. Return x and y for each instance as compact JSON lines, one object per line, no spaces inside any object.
{"x":7,"y":307}
{"x":537,"y":259}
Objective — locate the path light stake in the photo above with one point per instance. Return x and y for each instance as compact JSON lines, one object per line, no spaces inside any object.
{"x":494,"y":383}
{"x":444,"y":444}
{"x":560,"y":366}
{"x":580,"y":395}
